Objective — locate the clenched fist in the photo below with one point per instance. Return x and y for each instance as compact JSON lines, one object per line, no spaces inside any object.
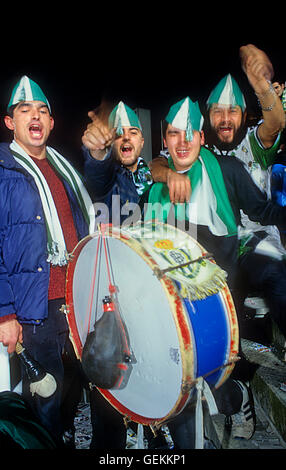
{"x":257,"y":66}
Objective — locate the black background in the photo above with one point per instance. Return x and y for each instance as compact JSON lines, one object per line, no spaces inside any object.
{"x":79,"y":55}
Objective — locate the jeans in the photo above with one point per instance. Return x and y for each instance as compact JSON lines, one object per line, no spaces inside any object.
{"x":45,"y":343}
{"x":108,"y":428}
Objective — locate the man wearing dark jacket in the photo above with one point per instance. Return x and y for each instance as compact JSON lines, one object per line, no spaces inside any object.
{"x":45,"y":211}
{"x":115,"y":173}
{"x":117,"y":177}
{"x":221,"y":187}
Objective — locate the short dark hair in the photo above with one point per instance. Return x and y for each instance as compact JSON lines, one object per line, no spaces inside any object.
{"x":10,"y":110}
{"x":164,"y":128}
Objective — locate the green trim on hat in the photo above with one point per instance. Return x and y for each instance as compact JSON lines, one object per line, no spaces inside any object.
{"x":227,"y":93}
{"x":185,"y":115}
{"x":123,"y":116}
{"x":27,"y":90}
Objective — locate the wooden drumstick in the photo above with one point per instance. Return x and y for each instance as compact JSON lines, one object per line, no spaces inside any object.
{"x":42,"y":383}
{"x":161,"y":272}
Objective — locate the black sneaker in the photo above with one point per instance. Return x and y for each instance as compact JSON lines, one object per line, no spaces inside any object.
{"x":242,"y":424}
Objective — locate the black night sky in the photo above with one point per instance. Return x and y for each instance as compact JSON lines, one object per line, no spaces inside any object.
{"x":148,"y":65}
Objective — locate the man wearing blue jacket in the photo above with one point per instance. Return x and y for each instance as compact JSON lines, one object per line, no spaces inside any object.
{"x":45,"y":211}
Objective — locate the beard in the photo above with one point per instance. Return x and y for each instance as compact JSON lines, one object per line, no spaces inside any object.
{"x":212,"y":138}
{"x":120,"y":161}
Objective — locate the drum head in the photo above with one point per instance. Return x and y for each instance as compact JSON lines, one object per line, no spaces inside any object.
{"x":154,"y":387}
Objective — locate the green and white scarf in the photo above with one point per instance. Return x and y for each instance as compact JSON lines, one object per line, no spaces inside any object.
{"x":209,"y":203}
{"x":57,"y":252}
{"x":142,"y":177}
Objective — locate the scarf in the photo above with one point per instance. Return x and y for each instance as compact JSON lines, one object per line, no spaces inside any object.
{"x":142,"y":177}
{"x":209,"y":203}
{"x":56,"y":247}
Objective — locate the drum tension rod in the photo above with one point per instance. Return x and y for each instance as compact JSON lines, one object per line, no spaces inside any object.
{"x":161,"y":272}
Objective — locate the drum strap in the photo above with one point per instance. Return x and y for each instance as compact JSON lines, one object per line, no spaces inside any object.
{"x":203,"y":390}
{"x":112,"y":288}
{"x":92,"y":287}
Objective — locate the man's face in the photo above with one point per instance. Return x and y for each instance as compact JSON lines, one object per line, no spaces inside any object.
{"x":183,"y":152}
{"x":225,"y":121}
{"x":31,"y":124}
{"x":278,"y":87}
{"x":128,"y":147}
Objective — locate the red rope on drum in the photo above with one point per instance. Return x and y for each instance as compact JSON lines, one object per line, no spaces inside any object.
{"x":91,"y":292}
{"x":112,"y":287}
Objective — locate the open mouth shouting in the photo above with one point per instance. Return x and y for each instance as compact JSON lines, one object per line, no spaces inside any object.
{"x":36,"y":131}
{"x":225,"y":132}
{"x":127,"y":150}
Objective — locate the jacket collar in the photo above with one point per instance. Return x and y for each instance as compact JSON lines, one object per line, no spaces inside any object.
{"x":6,"y":158}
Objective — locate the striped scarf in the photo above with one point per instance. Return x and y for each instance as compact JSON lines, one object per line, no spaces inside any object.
{"x":209,"y":204}
{"x":56,"y":247}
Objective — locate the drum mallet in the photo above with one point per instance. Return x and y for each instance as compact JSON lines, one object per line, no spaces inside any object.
{"x":161,"y":272}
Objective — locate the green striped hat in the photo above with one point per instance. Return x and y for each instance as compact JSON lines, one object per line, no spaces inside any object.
{"x":27,"y":90}
{"x":227,"y":93}
{"x":185,"y":115}
{"x":123,"y":116}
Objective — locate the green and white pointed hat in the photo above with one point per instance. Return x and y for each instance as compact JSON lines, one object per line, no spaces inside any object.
{"x":227,"y":93}
{"x":123,"y":116}
{"x":27,"y":90}
{"x":185,"y":115}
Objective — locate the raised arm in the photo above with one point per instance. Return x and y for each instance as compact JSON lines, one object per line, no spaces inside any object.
{"x":259,"y":72}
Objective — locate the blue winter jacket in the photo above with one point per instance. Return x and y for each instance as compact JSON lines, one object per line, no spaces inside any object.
{"x":24,"y":271}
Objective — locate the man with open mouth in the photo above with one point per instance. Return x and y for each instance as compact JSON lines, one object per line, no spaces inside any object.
{"x":115,"y":172}
{"x":117,"y":177}
{"x":227,"y":131}
{"x":45,"y":211}
{"x":129,"y":150}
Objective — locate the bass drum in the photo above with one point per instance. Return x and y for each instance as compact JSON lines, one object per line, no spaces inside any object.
{"x":181,"y":324}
